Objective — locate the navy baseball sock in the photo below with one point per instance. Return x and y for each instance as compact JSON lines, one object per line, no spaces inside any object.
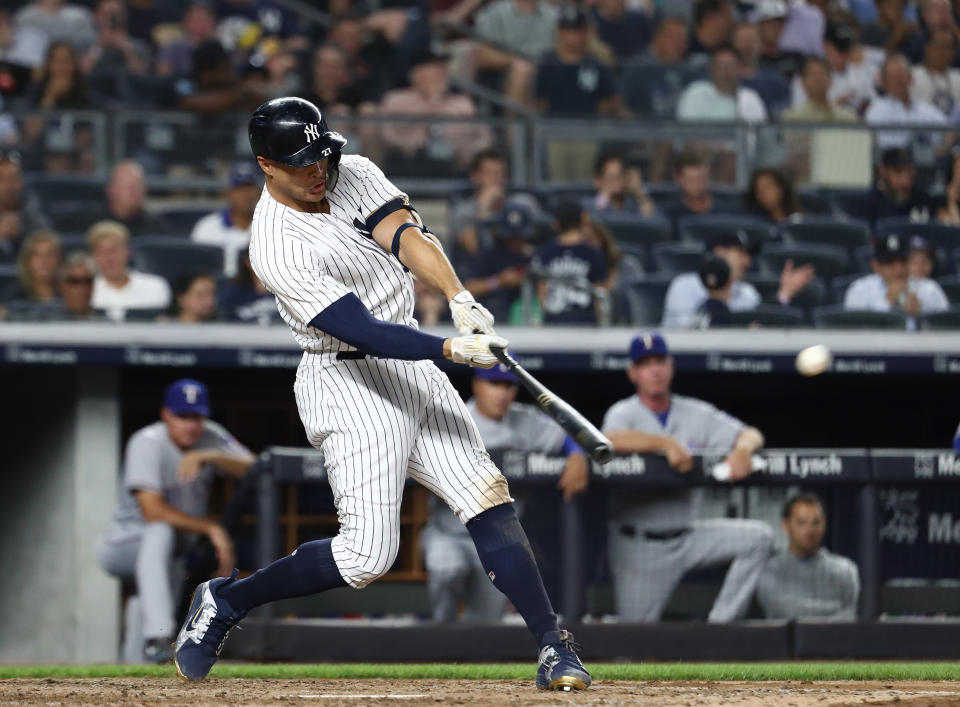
{"x":308,"y":570}
{"x":506,"y":556}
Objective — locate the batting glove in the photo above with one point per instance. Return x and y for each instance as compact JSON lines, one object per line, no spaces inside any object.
{"x":469,"y":316}
{"x":474,"y":350}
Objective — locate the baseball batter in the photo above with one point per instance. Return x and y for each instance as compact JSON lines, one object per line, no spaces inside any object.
{"x":654,"y":537}
{"x":337,"y":243}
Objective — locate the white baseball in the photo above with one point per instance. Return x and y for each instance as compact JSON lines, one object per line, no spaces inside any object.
{"x":814,"y":360}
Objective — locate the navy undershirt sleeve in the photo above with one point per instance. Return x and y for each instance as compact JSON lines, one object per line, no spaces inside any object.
{"x":350,"y":321}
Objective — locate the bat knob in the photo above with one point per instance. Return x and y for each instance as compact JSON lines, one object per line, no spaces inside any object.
{"x":603,"y":454}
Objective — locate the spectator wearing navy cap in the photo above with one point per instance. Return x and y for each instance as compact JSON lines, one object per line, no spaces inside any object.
{"x":715,"y":276}
{"x":229,"y":228}
{"x":455,"y":575}
{"x":655,"y":534}
{"x":687,"y":293}
{"x":922,"y":261}
{"x":571,"y":82}
{"x":494,"y":275}
{"x":168,"y":467}
{"x":890,"y":287}
{"x":895,"y":193}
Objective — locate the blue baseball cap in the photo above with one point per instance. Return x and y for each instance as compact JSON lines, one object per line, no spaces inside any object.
{"x":187,"y":397}
{"x":649,"y":343}
{"x":242,"y":173}
{"x":497,"y":373}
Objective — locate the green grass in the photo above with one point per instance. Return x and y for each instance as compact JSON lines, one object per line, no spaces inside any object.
{"x":525,"y":671}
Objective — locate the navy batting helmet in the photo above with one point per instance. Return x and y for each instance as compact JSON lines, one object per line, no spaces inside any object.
{"x":293,"y":132}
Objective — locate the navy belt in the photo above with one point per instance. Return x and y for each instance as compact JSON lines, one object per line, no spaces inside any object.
{"x":350,"y":355}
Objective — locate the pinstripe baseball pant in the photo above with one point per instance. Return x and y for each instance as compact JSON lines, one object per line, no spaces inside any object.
{"x":378,"y":421}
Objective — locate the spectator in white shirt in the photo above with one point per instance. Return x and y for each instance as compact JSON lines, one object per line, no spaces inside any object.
{"x":719,"y":98}
{"x":116,"y":288}
{"x":229,"y":228}
{"x":890,"y":287}
{"x":934,"y":81}
{"x":853,"y":77}
{"x":896,"y":107}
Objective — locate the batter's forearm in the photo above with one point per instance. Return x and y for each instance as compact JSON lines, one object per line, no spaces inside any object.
{"x":426,"y":259}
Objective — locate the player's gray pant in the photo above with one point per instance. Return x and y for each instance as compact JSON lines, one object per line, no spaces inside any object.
{"x":645,"y":572}
{"x":378,"y":421}
{"x":455,"y":575}
{"x":149,"y":560}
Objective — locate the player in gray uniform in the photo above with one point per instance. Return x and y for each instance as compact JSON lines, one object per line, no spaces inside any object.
{"x":455,"y":573}
{"x":168,"y":467}
{"x":654,"y":534}
{"x":807,"y":581}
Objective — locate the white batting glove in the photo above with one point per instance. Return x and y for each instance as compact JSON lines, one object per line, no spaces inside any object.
{"x":469,"y":316}
{"x":474,"y":350}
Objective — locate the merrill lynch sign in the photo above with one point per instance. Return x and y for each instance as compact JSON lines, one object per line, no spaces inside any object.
{"x":803,"y":466}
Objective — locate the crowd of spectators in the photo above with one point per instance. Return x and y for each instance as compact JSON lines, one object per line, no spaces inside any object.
{"x":550,"y":258}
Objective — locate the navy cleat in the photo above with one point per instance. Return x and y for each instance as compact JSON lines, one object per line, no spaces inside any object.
{"x":205,"y":630}
{"x":560,"y":667}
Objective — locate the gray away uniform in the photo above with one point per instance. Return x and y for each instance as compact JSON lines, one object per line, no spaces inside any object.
{"x":825,"y":586}
{"x":654,"y":535}
{"x":455,"y":574}
{"x":132,"y":549}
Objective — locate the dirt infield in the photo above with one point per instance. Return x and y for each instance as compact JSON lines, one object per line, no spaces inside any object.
{"x":355,"y":693}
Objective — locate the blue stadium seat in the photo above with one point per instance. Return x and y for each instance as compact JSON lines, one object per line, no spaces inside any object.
{"x":71,"y":241}
{"x":145,"y":314}
{"x":840,"y":284}
{"x":939,"y":234}
{"x":841,"y":232}
{"x":70,"y":214}
{"x":846,"y":200}
{"x":701,"y":228}
{"x":950,"y":319}
{"x":651,"y":89}
{"x":634,"y":229}
{"x":672,"y":257}
{"x":172,"y":257}
{"x":828,"y":261}
{"x":769,"y":315}
{"x":836,"y":317}
{"x":8,"y":278}
{"x":55,"y":188}
{"x":183,"y":219}
{"x":814,"y":202}
{"x":645,"y":299}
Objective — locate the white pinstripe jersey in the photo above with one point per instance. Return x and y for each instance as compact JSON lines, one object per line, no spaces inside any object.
{"x":308,"y":261}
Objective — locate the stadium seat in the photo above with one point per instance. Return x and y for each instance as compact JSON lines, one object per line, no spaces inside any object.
{"x":70,"y":214}
{"x":836,"y":317}
{"x":950,"y":319}
{"x":846,"y":200}
{"x":813,"y":295}
{"x":951,"y":287}
{"x":939,"y":234}
{"x":862,"y":259}
{"x":813,"y":201}
{"x":71,"y":241}
{"x":636,"y":230}
{"x":645,"y":299}
{"x":53,"y":188}
{"x":171,"y":257}
{"x":677,"y":257}
{"x":829,"y":261}
{"x":651,"y":89}
{"x":633,"y":262}
{"x":840,"y":232}
{"x":700,"y":228}
{"x":182,"y":220}
{"x":769,"y":315}
{"x":840,"y":284}
{"x":146,"y":314}
{"x":8,"y":276}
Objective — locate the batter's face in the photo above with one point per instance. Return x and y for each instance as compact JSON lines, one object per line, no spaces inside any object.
{"x":184,"y":430}
{"x":302,"y":188}
{"x":805,"y":528}
{"x":652,"y":375}
{"x":494,"y":398}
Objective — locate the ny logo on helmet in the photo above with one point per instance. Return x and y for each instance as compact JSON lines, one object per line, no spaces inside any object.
{"x":312,"y":132}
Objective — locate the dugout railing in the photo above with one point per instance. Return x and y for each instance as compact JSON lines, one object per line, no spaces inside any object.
{"x":885,"y":502}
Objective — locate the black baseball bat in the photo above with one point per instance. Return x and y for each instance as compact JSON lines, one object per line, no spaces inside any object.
{"x":577,"y":426}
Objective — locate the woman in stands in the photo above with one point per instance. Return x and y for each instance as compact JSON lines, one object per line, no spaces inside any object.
{"x":770,"y":196}
{"x":194,"y":299}
{"x":37,"y":271}
{"x":61,"y":85}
